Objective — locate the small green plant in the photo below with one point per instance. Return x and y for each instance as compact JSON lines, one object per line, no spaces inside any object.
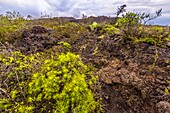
{"x":93,"y":27}
{"x":155,"y":60}
{"x":166,"y":90}
{"x":109,"y":29}
{"x":61,"y":83}
{"x":65,"y":45}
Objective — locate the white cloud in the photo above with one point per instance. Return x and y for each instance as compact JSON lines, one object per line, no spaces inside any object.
{"x":79,"y":7}
{"x":26,"y":6}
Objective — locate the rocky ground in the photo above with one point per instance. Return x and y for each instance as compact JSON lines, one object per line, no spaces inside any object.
{"x":134,"y":78}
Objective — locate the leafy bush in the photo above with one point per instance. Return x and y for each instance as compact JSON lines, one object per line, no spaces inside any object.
{"x":93,"y":27}
{"x":10,"y":26}
{"x":129,"y":19}
{"x":60,"y":84}
{"x":109,"y":29}
{"x":132,"y":28}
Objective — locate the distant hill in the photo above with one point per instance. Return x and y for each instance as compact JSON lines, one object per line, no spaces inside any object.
{"x":91,"y":19}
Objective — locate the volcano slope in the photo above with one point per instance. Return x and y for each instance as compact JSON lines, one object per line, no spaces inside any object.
{"x":134,"y":76}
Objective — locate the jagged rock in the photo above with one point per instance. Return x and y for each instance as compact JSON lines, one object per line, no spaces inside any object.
{"x":168,"y":44}
{"x":41,"y":30}
{"x":135,"y":73}
{"x":35,"y":40}
{"x":26,"y":33}
{"x":163,"y":107}
{"x":38,"y":30}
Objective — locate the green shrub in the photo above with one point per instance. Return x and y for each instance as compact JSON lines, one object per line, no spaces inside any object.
{"x":129,"y":19}
{"x":132,"y":28}
{"x":93,"y":27}
{"x":66,"y":45}
{"x":109,"y":29}
{"x":59,"y":84}
{"x":10,"y":26}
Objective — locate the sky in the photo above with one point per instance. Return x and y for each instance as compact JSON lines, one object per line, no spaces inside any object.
{"x":75,"y":8}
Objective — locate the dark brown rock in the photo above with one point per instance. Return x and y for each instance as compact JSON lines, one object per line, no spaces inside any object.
{"x":163,"y":107}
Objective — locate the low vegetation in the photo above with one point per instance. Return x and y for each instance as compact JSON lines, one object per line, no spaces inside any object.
{"x":46,"y":83}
